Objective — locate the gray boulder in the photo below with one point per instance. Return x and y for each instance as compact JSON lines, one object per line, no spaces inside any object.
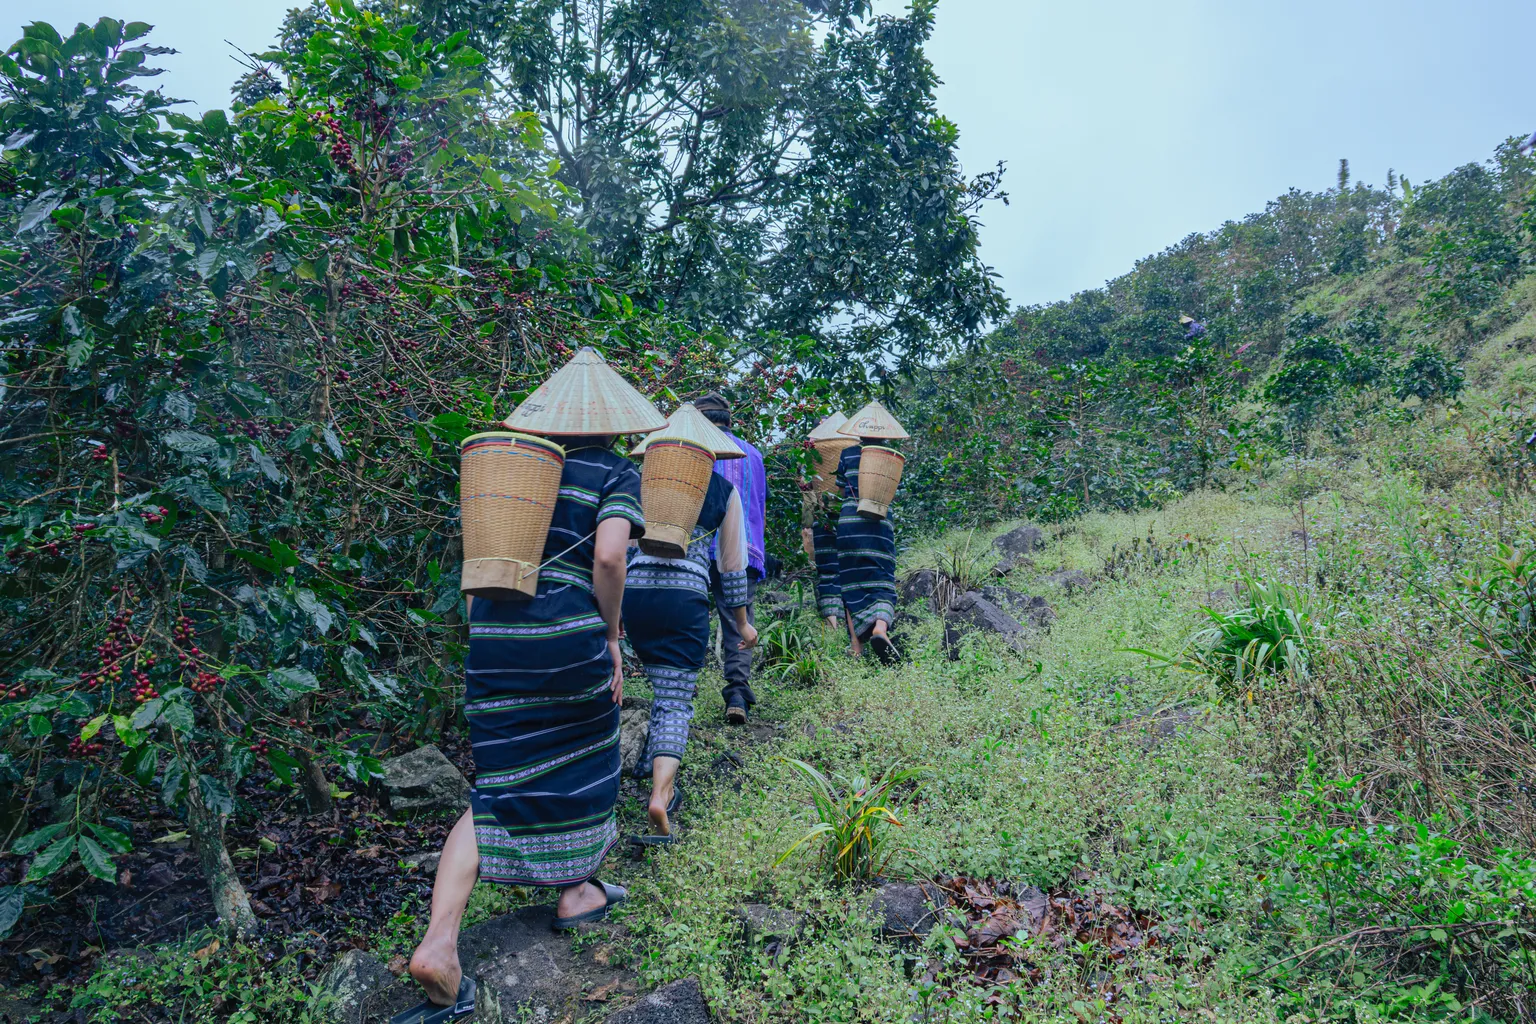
{"x":425,"y":862}
{"x":974,"y":609}
{"x":907,"y":910}
{"x":920,"y":585}
{"x":634,"y":731}
{"x":1016,"y":547}
{"x":1070,"y":580}
{"x":349,"y":984}
{"x":761,"y":922}
{"x":424,"y":782}
{"x":524,"y":972}
{"x":681,"y":1002}
{"x":1035,"y":611}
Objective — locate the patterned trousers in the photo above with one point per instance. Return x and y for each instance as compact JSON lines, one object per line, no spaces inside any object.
{"x":671,"y":712}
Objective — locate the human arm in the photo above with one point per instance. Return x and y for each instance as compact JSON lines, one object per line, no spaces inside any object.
{"x":608,"y":569}
{"x":731,"y":560}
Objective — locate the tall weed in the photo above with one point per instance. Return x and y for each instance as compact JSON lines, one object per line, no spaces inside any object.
{"x":853,"y":821}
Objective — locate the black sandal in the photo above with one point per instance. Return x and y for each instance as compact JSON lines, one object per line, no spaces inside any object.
{"x":654,"y":840}
{"x":884,"y":649}
{"x":428,"y":1012}
{"x":615,"y":894}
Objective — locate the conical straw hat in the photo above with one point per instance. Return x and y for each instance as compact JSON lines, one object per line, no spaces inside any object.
{"x":826,"y":430}
{"x":874,"y":420}
{"x":688,"y":424}
{"x":586,"y":396}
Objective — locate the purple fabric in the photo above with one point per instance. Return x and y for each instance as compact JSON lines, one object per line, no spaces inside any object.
{"x":751,"y":481}
{"x":1196,"y":328}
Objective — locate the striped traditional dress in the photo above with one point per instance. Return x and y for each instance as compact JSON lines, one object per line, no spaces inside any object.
{"x":542,"y":722}
{"x":866,"y":554}
{"x":829,"y":592}
{"x":666,"y":614}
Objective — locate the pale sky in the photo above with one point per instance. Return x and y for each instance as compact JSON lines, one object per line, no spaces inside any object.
{"x":1125,"y":125}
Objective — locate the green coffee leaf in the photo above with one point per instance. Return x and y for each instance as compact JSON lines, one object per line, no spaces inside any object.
{"x":96,"y":860}
{"x":33,"y":841}
{"x":51,"y":859}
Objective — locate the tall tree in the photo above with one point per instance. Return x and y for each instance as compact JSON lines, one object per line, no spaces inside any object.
{"x":767,"y":165}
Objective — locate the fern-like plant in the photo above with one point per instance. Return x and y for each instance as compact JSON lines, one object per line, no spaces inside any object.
{"x":854,"y":817}
{"x":1273,"y":633}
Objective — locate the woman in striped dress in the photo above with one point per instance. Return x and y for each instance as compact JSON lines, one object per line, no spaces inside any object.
{"x":666,"y":618}
{"x":820,"y":542}
{"x":866,"y":563}
{"x":866,"y":546}
{"x":543,"y":683}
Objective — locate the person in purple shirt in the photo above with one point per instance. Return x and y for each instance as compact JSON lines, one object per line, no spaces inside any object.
{"x":751,"y":482}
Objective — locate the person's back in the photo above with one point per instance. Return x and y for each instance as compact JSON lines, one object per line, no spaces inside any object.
{"x":750,"y":478}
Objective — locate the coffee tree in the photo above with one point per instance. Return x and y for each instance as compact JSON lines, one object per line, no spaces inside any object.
{"x":240,"y":353}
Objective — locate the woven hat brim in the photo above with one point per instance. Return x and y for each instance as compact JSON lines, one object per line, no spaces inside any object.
{"x":586,"y":396}
{"x":874,"y":420}
{"x":688,"y":424}
{"x":827,"y":429}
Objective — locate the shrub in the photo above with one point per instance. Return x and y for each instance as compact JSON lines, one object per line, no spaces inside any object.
{"x":1271,"y":634}
{"x":853,"y":821}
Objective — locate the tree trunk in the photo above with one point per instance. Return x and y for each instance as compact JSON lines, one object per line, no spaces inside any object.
{"x":317,"y":788}
{"x":230,"y":901}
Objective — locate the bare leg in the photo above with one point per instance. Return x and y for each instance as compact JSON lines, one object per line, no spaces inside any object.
{"x":580,"y":898}
{"x":858,"y":648}
{"x":832,"y":621}
{"x":435,"y":964}
{"x":663,"y":778}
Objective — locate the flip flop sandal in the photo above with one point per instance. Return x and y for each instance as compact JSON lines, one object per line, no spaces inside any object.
{"x":884,"y":649}
{"x":430,"y":1013}
{"x":676,"y":803}
{"x":615,"y":895}
{"x":654,"y":840}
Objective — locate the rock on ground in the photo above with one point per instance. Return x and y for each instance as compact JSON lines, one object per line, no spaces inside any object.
{"x":424,"y":781}
{"x":525,"y":972}
{"x":908,"y":909}
{"x":681,"y":1002}
{"x":1070,"y":580}
{"x":634,"y":731}
{"x":974,"y":611}
{"x":425,"y":862}
{"x":348,"y":984}
{"x":1016,"y":546}
{"x":1034,"y":611}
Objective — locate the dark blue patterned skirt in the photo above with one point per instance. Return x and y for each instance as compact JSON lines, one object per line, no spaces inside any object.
{"x":545,"y":734}
{"x":866,"y":568}
{"x":829,"y":592}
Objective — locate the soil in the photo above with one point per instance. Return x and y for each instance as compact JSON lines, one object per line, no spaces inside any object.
{"x":332,"y":879}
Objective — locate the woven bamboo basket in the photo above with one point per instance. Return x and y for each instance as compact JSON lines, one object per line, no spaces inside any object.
{"x":508,"y":485}
{"x":672,"y":485}
{"x":828,"y":453}
{"x":879,"y":474}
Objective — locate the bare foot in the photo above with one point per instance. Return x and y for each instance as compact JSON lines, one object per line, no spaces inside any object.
{"x":880,"y":627}
{"x":435,"y":966}
{"x":579,"y":899}
{"x":660,"y":797}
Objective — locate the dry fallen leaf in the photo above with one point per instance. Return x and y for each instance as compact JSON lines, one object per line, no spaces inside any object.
{"x":329,"y":891}
{"x":398,"y":964}
{"x":202,"y":955}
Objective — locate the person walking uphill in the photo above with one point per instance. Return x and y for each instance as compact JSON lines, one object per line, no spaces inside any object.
{"x":750,"y":479}
{"x":819,"y":518}
{"x":866,"y":545}
{"x":666,"y":614}
{"x":543,"y":682}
